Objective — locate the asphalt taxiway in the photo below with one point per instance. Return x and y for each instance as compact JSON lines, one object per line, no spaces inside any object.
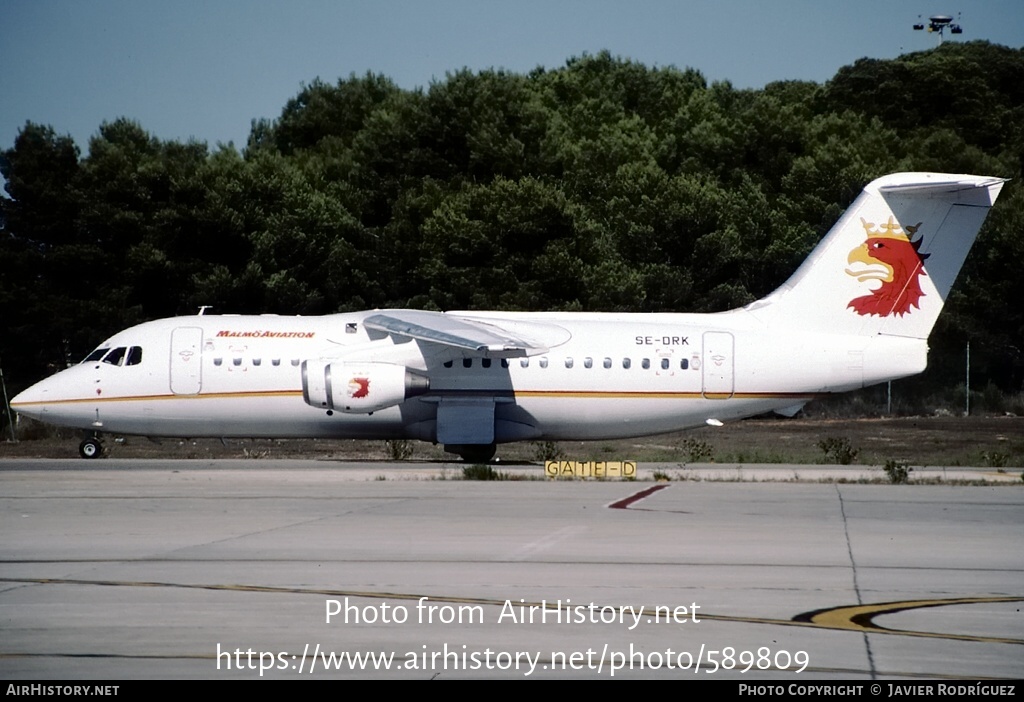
{"x":286,"y":569}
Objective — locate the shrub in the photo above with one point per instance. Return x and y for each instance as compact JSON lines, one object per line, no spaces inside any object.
{"x":897,"y":471}
{"x":697,"y":450}
{"x":547,"y":451}
{"x":994,"y":459}
{"x":838,"y":450}
{"x":482,"y":471}
{"x":398,"y":449}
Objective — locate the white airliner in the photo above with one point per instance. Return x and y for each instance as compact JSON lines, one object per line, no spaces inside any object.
{"x":857,"y":312}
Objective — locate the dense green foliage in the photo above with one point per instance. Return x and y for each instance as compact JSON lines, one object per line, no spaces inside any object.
{"x":601,"y":185}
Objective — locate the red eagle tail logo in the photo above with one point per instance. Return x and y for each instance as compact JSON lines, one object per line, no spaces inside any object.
{"x":889,"y":255}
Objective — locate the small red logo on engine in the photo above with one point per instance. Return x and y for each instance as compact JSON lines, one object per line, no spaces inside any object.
{"x":358,"y":387}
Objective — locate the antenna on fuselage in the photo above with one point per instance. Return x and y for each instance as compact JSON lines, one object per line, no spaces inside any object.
{"x":203,"y":308}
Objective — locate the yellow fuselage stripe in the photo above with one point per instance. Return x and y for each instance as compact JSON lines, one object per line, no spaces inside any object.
{"x":578,"y":394}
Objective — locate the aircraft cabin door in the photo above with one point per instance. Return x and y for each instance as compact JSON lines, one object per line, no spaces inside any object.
{"x":186,"y":360}
{"x":717,"y":365}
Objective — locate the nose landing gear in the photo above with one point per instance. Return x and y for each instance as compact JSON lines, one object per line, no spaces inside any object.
{"x":91,"y":447}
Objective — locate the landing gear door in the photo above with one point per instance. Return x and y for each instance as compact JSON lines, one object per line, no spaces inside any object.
{"x":717,"y":365}
{"x":186,"y":360}
{"x":465,"y":421}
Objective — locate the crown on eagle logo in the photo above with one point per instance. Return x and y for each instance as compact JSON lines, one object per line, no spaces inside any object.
{"x":889,"y":230}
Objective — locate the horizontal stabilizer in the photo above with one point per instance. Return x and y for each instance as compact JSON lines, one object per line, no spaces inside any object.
{"x":981,"y":187}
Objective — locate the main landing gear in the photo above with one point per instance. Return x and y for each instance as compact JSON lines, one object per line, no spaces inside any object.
{"x":473,"y":453}
{"x":91,"y":447}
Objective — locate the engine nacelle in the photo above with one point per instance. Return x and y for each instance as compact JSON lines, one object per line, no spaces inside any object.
{"x":359,"y":388}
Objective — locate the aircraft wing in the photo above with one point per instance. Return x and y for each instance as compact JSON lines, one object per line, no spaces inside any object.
{"x":489,"y":338}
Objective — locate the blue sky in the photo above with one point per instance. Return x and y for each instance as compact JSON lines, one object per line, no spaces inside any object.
{"x":206,"y":69}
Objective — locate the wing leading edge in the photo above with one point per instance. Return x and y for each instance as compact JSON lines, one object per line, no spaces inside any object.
{"x":504,"y":338}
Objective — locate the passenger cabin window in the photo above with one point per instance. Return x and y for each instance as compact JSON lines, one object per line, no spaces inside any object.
{"x":588,"y":362}
{"x":486,"y":363}
{"x":448,"y":364}
{"x":645,"y":364}
{"x":664,"y":364}
{"x":544,"y":362}
{"x":275,"y":361}
{"x":626,"y":363}
{"x":467,"y":363}
{"x":684,"y":364}
{"x":524,"y":362}
{"x":568,"y":362}
{"x":607,"y":363}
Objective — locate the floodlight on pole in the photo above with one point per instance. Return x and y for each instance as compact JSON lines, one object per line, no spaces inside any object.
{"x":940,"y":23}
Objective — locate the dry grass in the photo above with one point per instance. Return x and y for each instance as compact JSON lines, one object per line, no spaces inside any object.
{"x":936,"y":441}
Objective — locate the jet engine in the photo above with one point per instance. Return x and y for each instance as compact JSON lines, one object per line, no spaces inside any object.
{"x":359,"y":388}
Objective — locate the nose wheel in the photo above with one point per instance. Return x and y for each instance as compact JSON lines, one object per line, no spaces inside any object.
{"x":90,"y":447}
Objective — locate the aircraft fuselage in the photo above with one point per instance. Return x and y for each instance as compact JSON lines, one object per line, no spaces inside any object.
{"x":615,"y":376}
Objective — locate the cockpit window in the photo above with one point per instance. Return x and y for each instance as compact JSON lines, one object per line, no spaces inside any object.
{"x":97,"y":354}
{"x":121,"y":356}
{"x":134,"y":356}
{"x":115,"y":357}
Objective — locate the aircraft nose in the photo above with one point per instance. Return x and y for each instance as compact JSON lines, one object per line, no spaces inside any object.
{"x":32,"y":401}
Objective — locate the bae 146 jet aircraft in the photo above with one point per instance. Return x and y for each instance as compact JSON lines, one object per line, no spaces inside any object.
{"x":857,"y":312}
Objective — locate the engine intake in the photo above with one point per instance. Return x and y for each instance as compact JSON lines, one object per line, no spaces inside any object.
{"x":359,"y":388}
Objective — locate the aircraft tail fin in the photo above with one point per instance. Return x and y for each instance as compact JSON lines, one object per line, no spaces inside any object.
{"x":888,"y":264}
